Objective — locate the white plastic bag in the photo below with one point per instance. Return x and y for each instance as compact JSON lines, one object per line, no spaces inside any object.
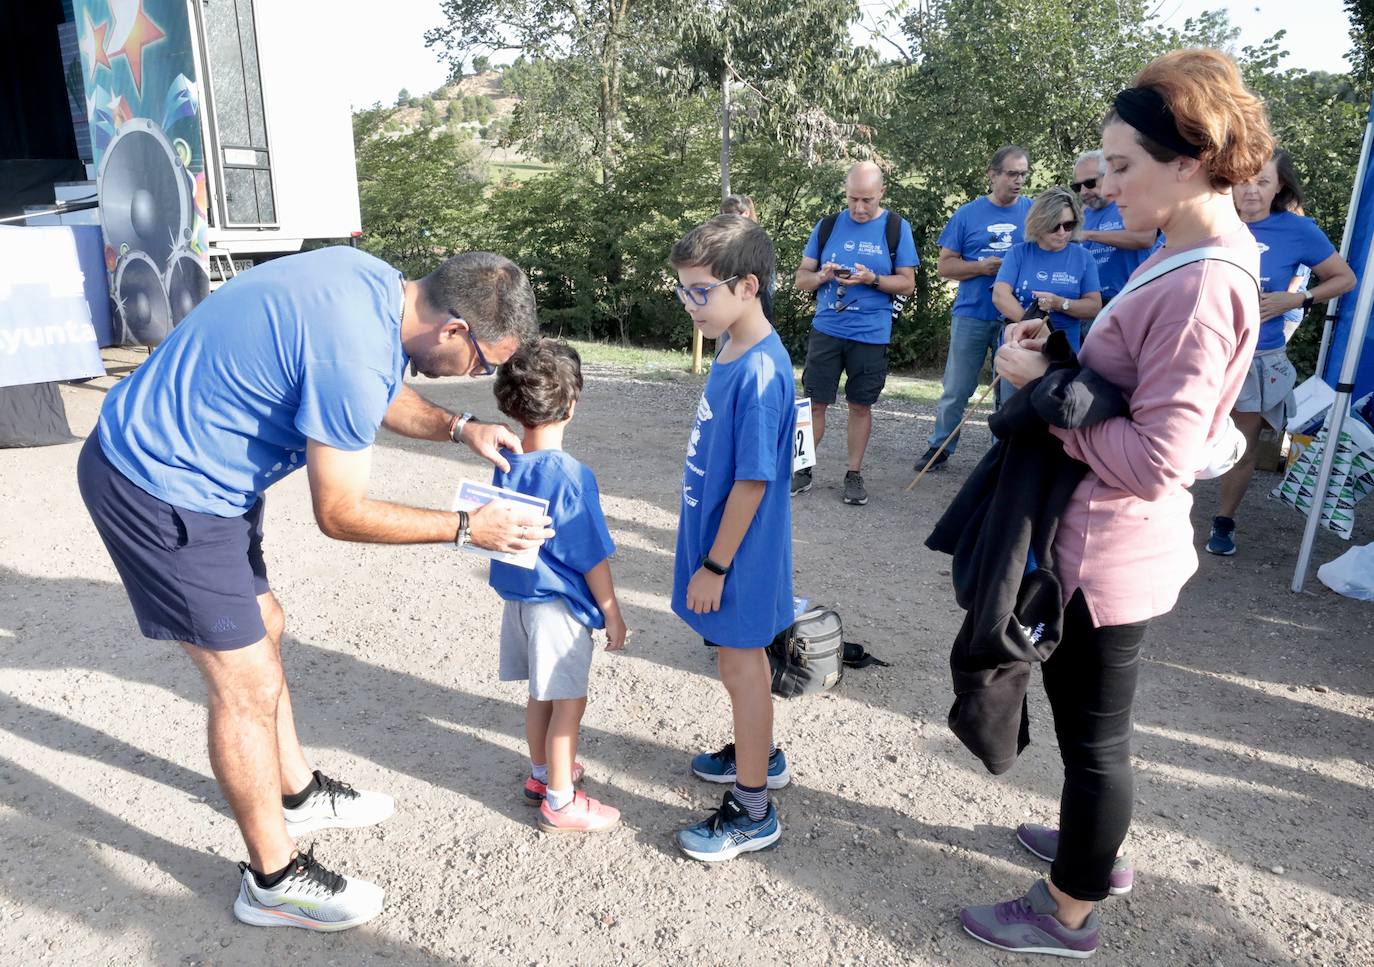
{"x":1351,"y":574}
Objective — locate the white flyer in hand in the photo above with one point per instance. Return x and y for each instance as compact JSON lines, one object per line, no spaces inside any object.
{"x":803,"y":441}
{"x":472,"y":495}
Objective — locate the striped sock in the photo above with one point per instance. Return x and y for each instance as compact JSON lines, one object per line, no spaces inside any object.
{"x":540,"y":773}
{"x":772,"y":747}
{"x":754,"y":799}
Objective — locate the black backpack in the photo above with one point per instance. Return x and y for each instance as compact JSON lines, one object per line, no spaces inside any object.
{"x":893,"y":232}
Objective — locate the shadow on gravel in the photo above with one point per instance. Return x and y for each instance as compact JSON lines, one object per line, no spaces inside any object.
{"x":884,"y":870}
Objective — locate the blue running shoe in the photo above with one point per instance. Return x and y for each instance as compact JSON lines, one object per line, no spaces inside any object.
{"x":720,"y":767}
{"x":728,"y":832}
{"x":1223,"y":539}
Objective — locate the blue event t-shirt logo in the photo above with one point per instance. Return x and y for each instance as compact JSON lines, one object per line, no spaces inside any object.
{"x":703,"y":414}
{"x":1002,"y":234}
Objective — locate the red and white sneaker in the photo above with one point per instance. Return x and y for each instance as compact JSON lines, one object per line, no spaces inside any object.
{"x":582,"y":815}
{"x":534,"y":789}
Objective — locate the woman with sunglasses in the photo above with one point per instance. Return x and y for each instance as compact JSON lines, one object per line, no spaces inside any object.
{"x":1178,"y":347}
{"x":1050,"y":272}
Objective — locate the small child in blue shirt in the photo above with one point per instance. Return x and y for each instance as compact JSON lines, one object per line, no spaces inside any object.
{"x":551,"y":610}
{"x":733,"y":572}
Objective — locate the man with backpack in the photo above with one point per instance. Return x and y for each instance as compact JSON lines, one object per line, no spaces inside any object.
{"x":861,"y":263}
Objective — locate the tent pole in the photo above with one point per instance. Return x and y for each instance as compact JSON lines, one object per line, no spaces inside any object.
{"x":1335,"y":417}
{"x":1333,"y":307}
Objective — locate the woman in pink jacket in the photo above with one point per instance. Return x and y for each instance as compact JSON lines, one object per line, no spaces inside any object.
{"x":1179,"y":348}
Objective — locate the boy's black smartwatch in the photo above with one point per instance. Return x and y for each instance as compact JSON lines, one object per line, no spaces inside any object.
{"x":1307,"y":303}
{"x":462,"y":537}
{"x":715,"y":568}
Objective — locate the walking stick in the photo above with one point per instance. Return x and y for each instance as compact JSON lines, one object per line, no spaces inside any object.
{"x":936,"y":455}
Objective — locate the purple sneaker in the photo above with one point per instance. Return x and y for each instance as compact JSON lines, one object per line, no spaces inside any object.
{"x":1027,"y":925}
{"x":1043,"y":841}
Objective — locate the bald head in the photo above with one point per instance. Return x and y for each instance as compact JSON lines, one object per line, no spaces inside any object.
{"x":863,"y":188}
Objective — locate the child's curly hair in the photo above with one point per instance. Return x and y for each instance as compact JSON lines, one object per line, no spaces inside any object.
{"x":539,"y":383}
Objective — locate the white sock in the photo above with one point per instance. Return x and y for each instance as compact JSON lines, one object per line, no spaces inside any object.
{"x":539,"y":772}
{"x":558,"y":798}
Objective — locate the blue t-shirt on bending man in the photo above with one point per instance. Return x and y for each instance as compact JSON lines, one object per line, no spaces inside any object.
{"x":864,"y":314}
{"x":581,"y":539}
{"x":307,"y":346}
{"x":981,"y":230}
{"x":1114,"y":265}
{"x":743,"y":430}
{"x":1070,"y":273}
{"x":1287,"y":243}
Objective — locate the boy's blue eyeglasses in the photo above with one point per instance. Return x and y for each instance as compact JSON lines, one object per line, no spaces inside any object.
{"x":487,"y":368}
{"x":698,"y":294}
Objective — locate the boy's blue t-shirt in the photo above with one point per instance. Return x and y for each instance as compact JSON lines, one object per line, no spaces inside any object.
{"x":581,"y":539}
{"x":1069,"y":273}
{"x":1114,"y":265}
{"x":980,"y":230}
{"x":744,"y":427}
{"x":1287,"y":242}
{"x":307,"y":346}
{"x":866,"y":315}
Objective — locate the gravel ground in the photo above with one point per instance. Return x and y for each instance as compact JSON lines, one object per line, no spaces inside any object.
{"x":1252,"y":834}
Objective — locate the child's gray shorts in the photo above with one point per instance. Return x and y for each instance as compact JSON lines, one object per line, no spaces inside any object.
{"x":545,"y":644}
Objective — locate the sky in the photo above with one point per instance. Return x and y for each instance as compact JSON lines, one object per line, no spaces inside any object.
{"x":391,"y":52}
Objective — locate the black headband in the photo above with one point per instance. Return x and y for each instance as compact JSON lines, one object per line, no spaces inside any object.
{"x":1143,"y":109}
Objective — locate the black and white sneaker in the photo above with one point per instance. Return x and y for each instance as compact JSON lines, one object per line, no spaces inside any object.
{"x":336,"y":804}
{"x":801,"y":481}
{"x":854,"y":493}
{"x":310,"y":897}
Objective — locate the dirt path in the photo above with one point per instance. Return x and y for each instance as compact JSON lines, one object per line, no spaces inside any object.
{"x":1253,"y":820}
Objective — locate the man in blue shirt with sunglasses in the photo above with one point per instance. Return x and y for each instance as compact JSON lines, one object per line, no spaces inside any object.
{"x":1117,"y":252}
{"x":856,"y":276}
{"x":295,"y":363}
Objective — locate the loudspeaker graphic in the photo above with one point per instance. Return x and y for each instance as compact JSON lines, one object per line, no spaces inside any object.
{"x":145,"y":200}
{"x":187,"y":283}
{"x":140,"y":301}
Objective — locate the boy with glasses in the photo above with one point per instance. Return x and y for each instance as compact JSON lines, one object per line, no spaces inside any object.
{"x":732,"y":577}
{"x":972,"y":247}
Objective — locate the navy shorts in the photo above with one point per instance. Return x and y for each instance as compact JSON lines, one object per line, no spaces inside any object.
{"x":827,"y":356}
{"x":190,"y":576}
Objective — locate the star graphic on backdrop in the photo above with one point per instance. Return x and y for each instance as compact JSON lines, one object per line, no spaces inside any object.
{"x":93,"y":44}
{"x":141,"y":34}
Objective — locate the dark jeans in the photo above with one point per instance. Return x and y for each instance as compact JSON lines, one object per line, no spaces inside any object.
{"x":1090,"y":679}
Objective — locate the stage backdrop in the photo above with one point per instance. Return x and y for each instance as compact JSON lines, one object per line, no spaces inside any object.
{"x":144,"y":103}
{"x":1361,"y":236}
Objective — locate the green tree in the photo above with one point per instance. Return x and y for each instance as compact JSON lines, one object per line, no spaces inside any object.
{"x":1361,"y":40}
{"x":592,"y":40}
{"x":402,"y":98}
{"x":419,"y":193}
{"x":481,"y":64}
